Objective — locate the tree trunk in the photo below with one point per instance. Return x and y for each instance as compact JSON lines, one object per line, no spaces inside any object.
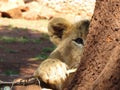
{"x":109,"y":79}
{"x":100,"y":66}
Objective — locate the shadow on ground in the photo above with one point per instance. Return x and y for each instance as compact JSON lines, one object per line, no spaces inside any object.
{"x":21,"y":51}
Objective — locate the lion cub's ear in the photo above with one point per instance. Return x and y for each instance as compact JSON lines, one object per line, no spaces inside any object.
{"x":57,"y":28}
{"x":83,"y":27}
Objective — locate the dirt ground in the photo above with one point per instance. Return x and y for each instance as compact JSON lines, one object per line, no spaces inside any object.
{"x":21,"y":49}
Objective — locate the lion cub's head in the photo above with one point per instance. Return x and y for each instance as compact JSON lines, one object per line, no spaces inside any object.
{"x":69,"y":39}
{"x":58,"y":69}
{"x":60,"y":28}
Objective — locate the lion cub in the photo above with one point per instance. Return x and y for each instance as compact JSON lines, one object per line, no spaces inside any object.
{"x":63,"y":61}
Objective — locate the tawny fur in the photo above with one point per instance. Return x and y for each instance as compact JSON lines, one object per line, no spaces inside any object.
{"x":58,"y":29}
{"x":65,"y":58}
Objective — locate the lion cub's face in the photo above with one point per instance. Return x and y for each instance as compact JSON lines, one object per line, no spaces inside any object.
{"x":69,"y":51}
{"x":69,"y":39}
{"x":59,"y":29}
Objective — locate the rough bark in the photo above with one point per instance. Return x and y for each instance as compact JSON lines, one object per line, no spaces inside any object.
{"x":102,"y":41}
{"x":109,"y":79}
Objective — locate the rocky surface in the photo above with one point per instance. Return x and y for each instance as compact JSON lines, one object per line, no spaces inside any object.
{"x":39,"y":9}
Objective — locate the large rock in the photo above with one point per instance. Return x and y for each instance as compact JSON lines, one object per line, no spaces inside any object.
{"x":12,"y":13}
{"x":33,"y":11}
{"x":11,"y":8}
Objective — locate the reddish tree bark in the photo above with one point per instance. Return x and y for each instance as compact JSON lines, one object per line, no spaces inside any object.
{"x":109,"y":79}
{"x":100,"y":66}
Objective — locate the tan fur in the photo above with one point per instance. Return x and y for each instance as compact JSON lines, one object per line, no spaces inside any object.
{"x":65,"y":58}
{"x":58,"y":29}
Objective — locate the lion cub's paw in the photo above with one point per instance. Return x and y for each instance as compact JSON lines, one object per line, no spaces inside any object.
{"x":52,"y":71}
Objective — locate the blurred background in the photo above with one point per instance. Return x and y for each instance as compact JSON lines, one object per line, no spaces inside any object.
{"x":24,"y":42}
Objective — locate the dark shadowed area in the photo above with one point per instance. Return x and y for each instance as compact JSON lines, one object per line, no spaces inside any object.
{"x":21,"y":51}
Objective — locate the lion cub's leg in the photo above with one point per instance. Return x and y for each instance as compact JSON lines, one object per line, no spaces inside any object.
{"x":53,"y":72}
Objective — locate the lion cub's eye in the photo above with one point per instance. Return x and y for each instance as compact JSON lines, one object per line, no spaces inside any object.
{"x":79,"y":40}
